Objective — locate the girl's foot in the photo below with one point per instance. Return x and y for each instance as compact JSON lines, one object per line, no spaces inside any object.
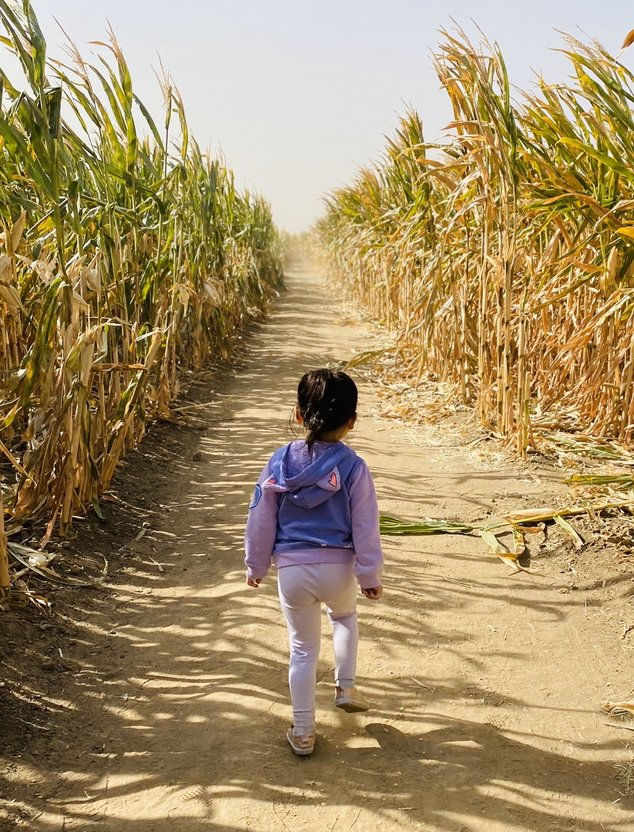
{"x":350,"y":700}
{"x":302,"y":744}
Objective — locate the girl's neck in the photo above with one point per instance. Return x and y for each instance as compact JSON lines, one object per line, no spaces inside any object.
{"x":332,"y":435}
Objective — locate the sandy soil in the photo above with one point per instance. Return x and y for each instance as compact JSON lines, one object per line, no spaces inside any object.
{"x":167,"y":709}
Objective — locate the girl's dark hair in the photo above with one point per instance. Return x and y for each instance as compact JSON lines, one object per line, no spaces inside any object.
{"x":326,"y":400}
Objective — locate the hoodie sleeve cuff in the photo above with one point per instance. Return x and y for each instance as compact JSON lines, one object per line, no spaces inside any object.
{"x":256,"y":575}
{"x":370,"y":581}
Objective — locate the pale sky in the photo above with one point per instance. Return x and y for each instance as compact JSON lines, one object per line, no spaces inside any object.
{"x":298,"y":94}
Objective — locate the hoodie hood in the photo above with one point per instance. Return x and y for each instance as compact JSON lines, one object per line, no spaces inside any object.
{"x":315,"y":483}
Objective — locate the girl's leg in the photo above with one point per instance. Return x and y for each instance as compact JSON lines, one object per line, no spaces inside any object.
{"x":341,"y":599}
{"x":302,"y":611}
{"x":345,"y":642}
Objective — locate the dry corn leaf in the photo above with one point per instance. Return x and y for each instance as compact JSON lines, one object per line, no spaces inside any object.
{"x":572,"y":533}
{"x":619,"y":708}
{"x":500,"y":551}
{"x":17,"y":229}
{"x":545,"y":514}
{"x":393,"y":525}
{"x":30,"y":558}
{"x":493,"y":543}
{"x":366,"y":357}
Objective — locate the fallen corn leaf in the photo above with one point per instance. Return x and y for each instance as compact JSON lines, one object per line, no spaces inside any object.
{"x":565,"y":525}
{"x":618,"y":708}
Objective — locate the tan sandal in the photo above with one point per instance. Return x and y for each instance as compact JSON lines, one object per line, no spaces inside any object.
{"x":351,"y":700}
{"x":302,"y":744}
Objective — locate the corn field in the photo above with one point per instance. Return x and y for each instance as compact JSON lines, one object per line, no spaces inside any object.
{"x":503,"y":257}
{"x":125,"y":254}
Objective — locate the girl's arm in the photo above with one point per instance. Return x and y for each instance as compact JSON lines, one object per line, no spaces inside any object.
{"x":261,"y":530}
{"x":365,"y":528}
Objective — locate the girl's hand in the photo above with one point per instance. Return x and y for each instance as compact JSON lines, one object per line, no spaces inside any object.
{"x":373,"y":594}
{"x":254,"y":582}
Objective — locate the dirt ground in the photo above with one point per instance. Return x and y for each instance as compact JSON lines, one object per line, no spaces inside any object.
{"x":165,"y":710}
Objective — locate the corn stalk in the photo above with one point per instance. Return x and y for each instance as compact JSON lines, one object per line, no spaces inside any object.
{"x":503,"y":258}
{"x":125,"y":255}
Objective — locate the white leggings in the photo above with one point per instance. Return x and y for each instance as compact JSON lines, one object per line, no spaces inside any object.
{"x":302,"y":588}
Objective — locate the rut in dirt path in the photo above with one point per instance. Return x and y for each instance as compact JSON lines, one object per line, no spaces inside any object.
{"x":484,"y":687}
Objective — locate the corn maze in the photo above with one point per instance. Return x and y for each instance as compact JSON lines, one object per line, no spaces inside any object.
{"x":503,"y":257}
{"x":125,"y":254}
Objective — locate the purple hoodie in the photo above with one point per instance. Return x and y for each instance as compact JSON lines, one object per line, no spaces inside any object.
{"x":315,"y":506}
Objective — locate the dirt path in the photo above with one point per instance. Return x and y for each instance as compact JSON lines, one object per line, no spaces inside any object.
{"x":486,"y":685}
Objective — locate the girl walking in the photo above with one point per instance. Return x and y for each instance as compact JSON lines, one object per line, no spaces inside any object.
{"x":314,"y":513}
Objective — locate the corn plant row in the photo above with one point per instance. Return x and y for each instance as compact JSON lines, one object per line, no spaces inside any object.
{"x":125,"y":253}
{"x":503,"y":256}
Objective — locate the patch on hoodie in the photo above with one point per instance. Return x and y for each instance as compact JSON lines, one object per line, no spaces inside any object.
{"x":257,"y":496}
{"x":272,"y":485}
{"x":331,"y":482}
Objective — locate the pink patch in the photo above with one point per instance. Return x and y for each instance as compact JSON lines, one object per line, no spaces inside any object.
{"x":332,"y":480}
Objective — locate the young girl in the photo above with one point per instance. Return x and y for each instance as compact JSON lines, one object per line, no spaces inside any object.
{"x":314,"y":512}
